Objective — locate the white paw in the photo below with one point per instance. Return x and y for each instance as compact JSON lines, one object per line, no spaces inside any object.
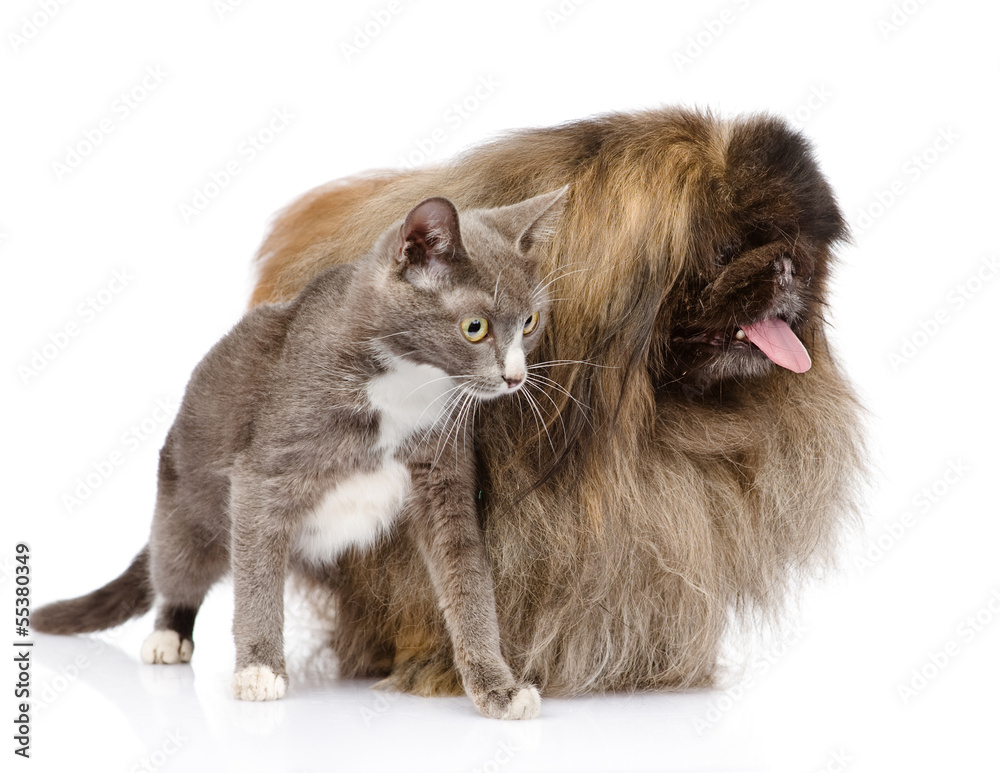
{"x":166,"y":647}
{"x":524,"y":704}
{"x":258,"y":683}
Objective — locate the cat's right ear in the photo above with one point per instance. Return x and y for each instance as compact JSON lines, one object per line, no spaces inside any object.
{"x":430,"y":244}
{"x":533,"y":221}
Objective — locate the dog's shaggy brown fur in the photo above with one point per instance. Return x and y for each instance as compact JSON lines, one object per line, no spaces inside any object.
{"x":689,"y":480}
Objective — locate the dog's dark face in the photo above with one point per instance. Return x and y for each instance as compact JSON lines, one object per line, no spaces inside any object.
{"x":749,"y":316}
{"x":752,"y":295}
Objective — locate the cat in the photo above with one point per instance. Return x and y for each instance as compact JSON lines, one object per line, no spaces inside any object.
{"x":702,"y":472}
{"x":316,"y":424}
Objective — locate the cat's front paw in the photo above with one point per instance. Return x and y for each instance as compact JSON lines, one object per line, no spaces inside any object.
{"x":511,"y":703}
{"x":258,"y":683}
{"x":166,"y":647}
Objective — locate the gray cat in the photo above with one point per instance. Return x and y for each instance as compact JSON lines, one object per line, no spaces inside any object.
{"x":315,"y":424}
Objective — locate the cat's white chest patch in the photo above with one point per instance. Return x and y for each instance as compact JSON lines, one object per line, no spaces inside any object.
{"x":409,"y":398}
{"x":354,"y":513}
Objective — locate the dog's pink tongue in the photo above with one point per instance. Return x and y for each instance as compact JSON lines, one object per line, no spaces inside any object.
{"x":779,"y":343}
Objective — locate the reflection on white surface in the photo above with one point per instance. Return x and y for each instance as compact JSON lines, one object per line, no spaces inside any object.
{"x":98,"y":704}
{"x":821,"y":699}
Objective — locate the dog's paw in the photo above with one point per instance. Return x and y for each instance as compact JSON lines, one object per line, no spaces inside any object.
{"x":427,"y":676}
{"x":511,"y":703}
{"x":166,"y":647}
{"x":258,"y":683}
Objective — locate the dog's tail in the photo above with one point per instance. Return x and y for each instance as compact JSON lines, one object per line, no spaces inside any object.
{"x":128,"y":596}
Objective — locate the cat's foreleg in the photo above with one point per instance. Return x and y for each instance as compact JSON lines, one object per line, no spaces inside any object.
{"x":260,"y":548}
{"x":447,"y":533}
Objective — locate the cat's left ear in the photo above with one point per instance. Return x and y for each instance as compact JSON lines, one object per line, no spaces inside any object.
{"x":430,"y":244}
{"x":533,"y":221}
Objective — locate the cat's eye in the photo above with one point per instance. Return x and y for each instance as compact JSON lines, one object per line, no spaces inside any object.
{"x":532,"y":323}
{"x":475,"y":328}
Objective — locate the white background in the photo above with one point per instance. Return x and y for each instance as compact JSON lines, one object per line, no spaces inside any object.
{"x":874,"y":84}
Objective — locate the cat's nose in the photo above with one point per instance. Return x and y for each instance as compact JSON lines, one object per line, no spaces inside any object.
{"x":514,"y":369}
{"x":514,"y":381}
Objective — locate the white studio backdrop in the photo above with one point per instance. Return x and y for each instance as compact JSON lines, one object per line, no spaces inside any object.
{"x":143,"y":151}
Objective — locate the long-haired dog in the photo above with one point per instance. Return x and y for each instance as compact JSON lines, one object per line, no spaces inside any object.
{"x":691,"y":447}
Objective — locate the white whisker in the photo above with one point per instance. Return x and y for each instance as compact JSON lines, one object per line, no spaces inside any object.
{"x":443,"y":412}
{"x":389,"y":335}
{"x":561,"y":388}
{"x":455,"y":396}
{"x":461,"y":426}
{"x":571,"y":362}
{"x":535,"y":407}
{"x":422,"y":384}
{"x":538,"y":427}
{"x":456,"y":416}
{"x":542,"y":288}
{"x":556,"y":407}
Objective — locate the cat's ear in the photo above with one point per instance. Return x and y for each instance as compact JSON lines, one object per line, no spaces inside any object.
{"x":533,"y":221}
{"x":430,"y":243}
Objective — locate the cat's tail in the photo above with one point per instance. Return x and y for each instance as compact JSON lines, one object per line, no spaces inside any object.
{"x":128,"y":596}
